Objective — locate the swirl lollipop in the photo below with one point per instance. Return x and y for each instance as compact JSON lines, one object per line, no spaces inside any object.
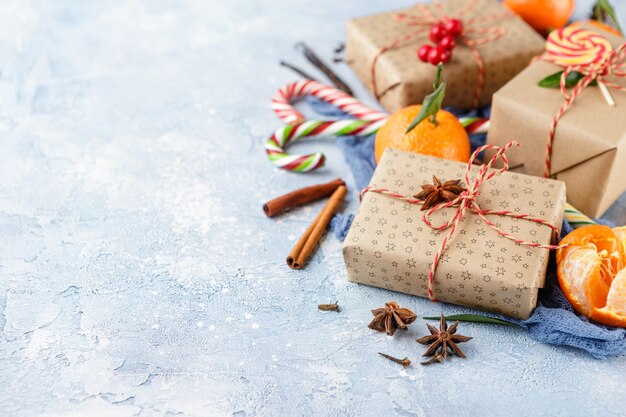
{"x":575,"y":46}
{"x":580,"y":50}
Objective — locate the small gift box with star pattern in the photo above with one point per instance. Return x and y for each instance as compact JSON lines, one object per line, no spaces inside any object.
{"x":391,"y":245}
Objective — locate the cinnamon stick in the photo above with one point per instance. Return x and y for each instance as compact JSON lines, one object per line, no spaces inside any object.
{"x":301,"y":196}
{"x":303,"y":248}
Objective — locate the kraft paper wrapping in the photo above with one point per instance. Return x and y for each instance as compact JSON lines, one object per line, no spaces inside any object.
{"x":403,"y":79}
{"x":389,"y":246}
{"x":589,"y":148}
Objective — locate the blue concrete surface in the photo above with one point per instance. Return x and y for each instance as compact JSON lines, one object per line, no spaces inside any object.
{"x":138,"y":275}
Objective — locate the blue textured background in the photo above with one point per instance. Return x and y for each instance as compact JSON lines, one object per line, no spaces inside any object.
{"x":138,"y":275}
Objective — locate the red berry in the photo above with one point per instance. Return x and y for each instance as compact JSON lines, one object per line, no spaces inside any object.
{"x":445,"y":56}
{"x":434,"y":56}
{"x":453,"y":26}
{"x":422,"y":52}
{"x":437,"y":32}
{"x":447,"y":42}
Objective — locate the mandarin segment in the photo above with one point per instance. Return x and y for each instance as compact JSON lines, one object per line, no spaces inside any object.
{"x":579,"y":277}
{"x":616,"y":300}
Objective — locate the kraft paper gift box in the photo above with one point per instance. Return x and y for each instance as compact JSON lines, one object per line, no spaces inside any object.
{"x":402,"y":79}
{"x":589,"y":148}
{"x":389,"y":246}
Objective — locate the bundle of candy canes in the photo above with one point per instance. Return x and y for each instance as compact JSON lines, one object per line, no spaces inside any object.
{"x":365,"y":122}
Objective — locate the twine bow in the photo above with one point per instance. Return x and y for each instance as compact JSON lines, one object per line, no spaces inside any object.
{"x":473,"y":35}
{"x":590,"y":54}
{"x":467,"y":201}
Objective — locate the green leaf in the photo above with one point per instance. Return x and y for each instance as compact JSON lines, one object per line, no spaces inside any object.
{"x":554,"y":80}
{"x":474,"y":318}
{"x":432,"y":103}
{"x":438,"y":76}
{"x":604,"y":8}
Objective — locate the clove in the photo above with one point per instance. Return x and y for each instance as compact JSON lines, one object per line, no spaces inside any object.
{"x":404,"y":362}
{"x":329,"y":307}
{"x":437,"y":357}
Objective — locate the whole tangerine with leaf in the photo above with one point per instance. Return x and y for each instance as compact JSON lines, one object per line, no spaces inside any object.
{"x":542,"y":15}
{"x":591,"y":271}
{"x":425,"y":129}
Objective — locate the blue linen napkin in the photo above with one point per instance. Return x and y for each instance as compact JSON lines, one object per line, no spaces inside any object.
{"x":553,"y":321}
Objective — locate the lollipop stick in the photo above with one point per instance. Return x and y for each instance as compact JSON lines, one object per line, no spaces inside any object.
{"x":606,"y":94}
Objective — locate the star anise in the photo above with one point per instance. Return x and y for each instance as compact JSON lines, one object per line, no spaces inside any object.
{"x":436,"y":193}
{"x":444,"y":338}
{"x":391,"y":317}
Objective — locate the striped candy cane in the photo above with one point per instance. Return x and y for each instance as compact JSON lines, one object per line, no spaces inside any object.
{"x":313,"y":129}
{"x":281,"y":102}
{"x":367,"y":122}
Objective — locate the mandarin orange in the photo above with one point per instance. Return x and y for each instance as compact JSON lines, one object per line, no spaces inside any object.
{"x":591,"y":271}
{"x":601,"y":25}
{"x":446,"y":139}
{"x":542,"y":15}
